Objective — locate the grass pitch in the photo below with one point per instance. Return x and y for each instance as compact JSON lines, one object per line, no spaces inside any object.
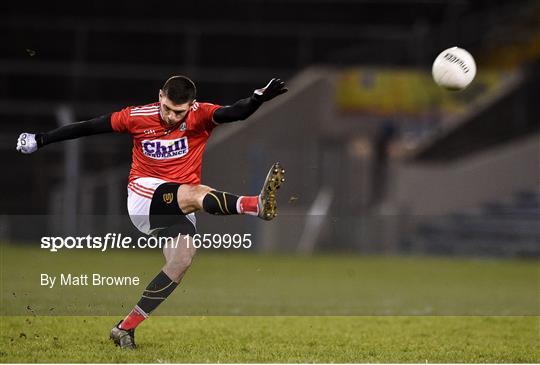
{"x":243,"y":283}
{"x":245,"y":307}
{"x":276,"y":339}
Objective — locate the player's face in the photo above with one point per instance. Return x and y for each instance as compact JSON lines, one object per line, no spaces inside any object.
{"x":172,"y":113}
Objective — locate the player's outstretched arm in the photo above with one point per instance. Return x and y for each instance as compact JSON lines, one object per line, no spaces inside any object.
{"x":29,"y":143}
{"x":243,"y":108}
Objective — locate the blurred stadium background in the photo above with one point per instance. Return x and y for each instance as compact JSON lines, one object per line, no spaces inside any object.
{"x":379,"y":159}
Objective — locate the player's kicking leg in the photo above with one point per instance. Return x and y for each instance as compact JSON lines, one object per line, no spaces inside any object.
{"x":192,"y":198}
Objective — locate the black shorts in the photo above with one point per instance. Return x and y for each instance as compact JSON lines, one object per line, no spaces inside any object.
{"x":166,"y":218}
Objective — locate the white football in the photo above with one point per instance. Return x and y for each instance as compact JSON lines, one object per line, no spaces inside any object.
{"x":454,"y":69}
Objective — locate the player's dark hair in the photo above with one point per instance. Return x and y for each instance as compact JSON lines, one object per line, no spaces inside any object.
{"x":180,"y":89}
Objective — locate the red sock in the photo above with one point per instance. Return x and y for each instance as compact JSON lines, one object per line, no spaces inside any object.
{"x":133,"y":319}
{"x":248,"y":205}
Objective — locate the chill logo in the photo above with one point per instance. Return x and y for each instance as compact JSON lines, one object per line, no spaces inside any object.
{"x":161,"y":149}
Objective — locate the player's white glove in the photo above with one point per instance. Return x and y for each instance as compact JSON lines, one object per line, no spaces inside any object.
{"x":27,"y":143}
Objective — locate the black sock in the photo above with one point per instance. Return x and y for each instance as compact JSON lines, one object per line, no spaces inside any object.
{"x":156,"y":292}
{"x":221,"y":203}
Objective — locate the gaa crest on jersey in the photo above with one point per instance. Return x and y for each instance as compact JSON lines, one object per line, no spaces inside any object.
{"x":161,"y":149}
{"x":183,"y":127}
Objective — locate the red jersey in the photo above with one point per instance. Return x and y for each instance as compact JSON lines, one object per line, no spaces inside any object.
{"x":173,"y":155}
